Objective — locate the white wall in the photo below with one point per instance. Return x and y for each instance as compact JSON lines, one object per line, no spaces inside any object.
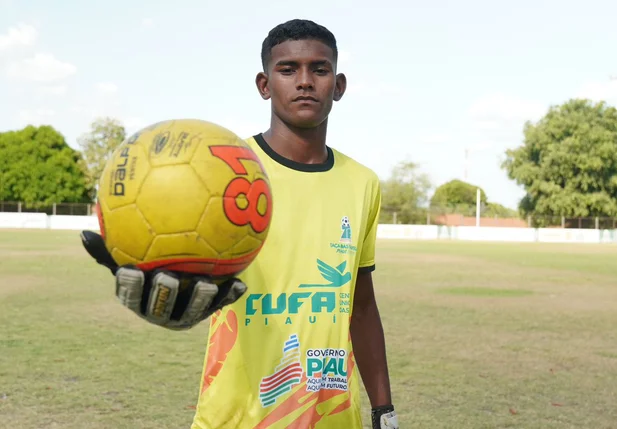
{"x":43,"y":221}
{"x":404,"y":232}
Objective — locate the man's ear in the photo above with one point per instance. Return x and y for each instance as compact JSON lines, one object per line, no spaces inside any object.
{"x":340,"y":86}
{"x":261,"y":80}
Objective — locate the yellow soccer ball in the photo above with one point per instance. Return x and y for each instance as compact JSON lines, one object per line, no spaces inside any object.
{"x":185,"y":195}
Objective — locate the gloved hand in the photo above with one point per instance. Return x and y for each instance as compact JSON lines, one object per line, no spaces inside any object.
{"x":384,"y":417}
{"x":172,"y":300}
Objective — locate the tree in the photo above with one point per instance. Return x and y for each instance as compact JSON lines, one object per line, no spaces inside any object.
{"x":497,"y":210}
{"x":457,"y":196}
{"x":568,"y":162}
{"x":39,"y":168}
{"x":406,"y":194}
{"x":105,"y":135}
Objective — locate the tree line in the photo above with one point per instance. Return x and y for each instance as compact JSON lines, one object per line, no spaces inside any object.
{"x":566,"y":163}
{"x":39,"y":168}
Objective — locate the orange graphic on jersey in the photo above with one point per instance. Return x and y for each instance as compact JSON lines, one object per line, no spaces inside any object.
{"x":347,"y":404}
{"x":310,"y":401}
{"x":222,"y":340}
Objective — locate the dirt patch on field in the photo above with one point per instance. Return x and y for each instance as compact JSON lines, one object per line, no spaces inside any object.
{"x":575,"y":248}
{"x":485,"y":292}
{"x":426,"y":258}
{"x":64,"y":251}
{"x":13,"y":284}
{"x":586,"y":300}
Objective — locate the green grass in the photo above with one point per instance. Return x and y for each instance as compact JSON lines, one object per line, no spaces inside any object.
{"x":480,"y":335}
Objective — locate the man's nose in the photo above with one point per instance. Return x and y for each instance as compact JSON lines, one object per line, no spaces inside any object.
{"x":305,"y":79}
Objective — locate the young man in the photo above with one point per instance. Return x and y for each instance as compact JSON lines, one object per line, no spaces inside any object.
{"x":280,"y":350}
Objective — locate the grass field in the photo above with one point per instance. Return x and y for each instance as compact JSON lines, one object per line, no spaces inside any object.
{"x":479,"y":336}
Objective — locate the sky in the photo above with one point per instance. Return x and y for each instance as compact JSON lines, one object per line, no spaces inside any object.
{"x":427,"y":81}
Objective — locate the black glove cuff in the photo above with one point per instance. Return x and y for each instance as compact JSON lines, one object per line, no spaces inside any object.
{"x":95,"y":246}
{"x":377,"y":412}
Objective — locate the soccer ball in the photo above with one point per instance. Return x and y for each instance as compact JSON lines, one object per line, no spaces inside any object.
{"x":345,"y":222}
{"x":185,"y":195}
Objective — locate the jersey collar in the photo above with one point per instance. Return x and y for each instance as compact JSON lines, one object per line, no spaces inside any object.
{"x":298,"y":166}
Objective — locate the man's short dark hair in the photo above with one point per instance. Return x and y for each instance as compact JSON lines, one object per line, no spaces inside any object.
{"x":296,"y":29}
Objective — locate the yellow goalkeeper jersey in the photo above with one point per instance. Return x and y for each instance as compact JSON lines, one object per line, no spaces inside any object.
{"x":281,"y":356}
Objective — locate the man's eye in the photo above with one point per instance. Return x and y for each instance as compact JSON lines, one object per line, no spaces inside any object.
{"x":321,"y":71}
{"x":286,"y":70}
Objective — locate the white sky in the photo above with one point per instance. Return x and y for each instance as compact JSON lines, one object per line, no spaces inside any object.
{"x":425,"y":81}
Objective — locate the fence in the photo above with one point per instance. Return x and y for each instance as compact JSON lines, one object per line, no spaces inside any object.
{"x":430,"y":216}
{"x":72,"y":209}
{"x":435,"y":216}
{"x":496,"y":234}
{"x":384,"y":231}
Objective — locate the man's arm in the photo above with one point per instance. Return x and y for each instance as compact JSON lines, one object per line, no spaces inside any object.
{"x":369,"y":344}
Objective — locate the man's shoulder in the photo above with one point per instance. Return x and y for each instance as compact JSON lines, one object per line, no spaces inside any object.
{"x":359,"y":170}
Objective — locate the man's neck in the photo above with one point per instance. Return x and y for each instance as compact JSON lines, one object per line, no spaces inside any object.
{"x":302,"y":145}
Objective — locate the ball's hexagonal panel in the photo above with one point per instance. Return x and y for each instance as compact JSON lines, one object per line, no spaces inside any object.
{"x":123,"y":176}
{"x":214,"y":174}
{"x":127,"y":233}
{"x":217,"y":230}
{"x":172,"y":199}
{"x":119,"y":255}
{"x":178,"y":247}
{"x":219,"y":162}
{"x":169,"y":146}
{"x":245,"y":247}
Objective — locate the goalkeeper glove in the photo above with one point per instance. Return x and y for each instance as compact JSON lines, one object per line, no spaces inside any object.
{"x":384,"y":417}
{"x":172,"y":300}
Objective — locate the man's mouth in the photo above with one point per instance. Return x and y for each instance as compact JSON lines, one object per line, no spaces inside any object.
{"x":305,"y":98}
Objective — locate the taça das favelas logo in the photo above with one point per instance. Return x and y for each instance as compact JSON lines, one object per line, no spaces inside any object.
{"x":346,"y":227}
{"x":344,"y":246}
{"x":286,"y":375}
{"x":326,"y":369}
{"x":317,"y":300}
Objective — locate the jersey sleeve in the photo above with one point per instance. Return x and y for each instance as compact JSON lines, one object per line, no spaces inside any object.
{"x":367,"y":251}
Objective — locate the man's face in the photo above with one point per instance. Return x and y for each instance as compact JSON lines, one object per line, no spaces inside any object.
{"x":302,"y":83}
